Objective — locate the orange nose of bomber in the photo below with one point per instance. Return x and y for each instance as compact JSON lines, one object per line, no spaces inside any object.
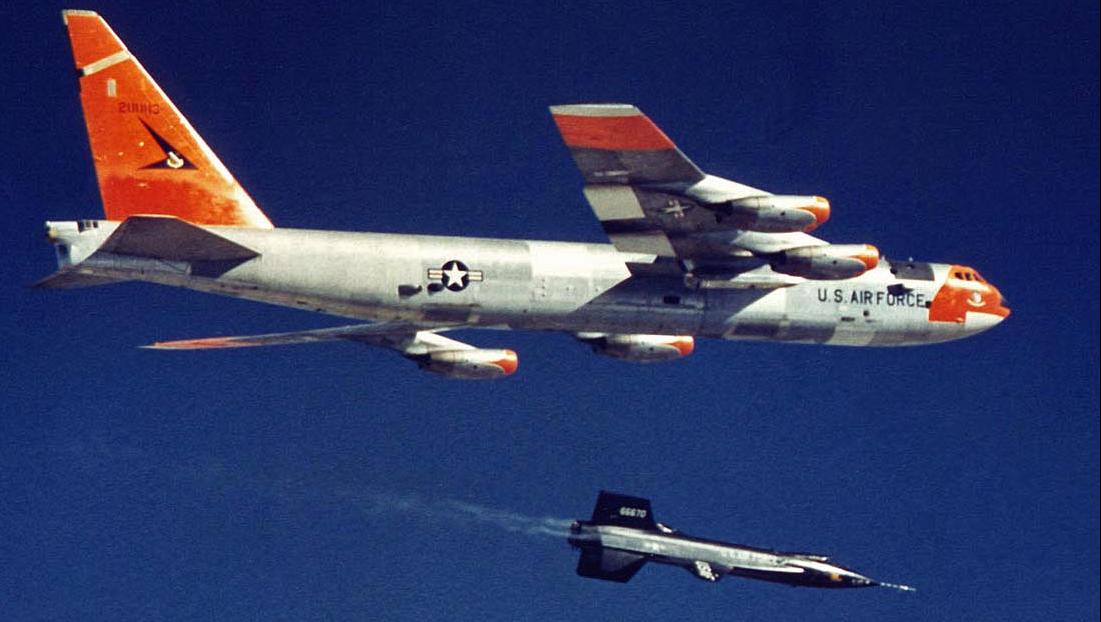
{"x":1000,"y":307}
{"x":986,"y":298}
{"x":966,"y":296}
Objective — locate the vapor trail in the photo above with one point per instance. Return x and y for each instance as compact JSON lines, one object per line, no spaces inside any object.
{"x":464,"y":512}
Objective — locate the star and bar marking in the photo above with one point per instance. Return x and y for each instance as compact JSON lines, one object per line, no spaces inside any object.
{"x":455,"y":275}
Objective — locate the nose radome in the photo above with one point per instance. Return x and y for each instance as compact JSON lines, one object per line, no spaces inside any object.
{"x":979,"y":322}
{"x":1003,"y":304}
{"x":993,"y":310}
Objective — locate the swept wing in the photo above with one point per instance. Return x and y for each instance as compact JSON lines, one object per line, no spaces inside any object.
{"x":651,"y":198}
{"x":430,"y":350}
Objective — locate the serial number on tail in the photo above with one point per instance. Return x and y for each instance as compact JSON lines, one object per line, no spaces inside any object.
{"x":139,"y":107}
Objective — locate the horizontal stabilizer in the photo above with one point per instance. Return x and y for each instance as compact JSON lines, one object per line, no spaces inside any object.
{"x":609,"y":564}
{"x":169,"y":238}
{"x":71,"y":279}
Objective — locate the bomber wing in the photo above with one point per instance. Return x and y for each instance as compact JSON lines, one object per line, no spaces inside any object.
{"x":422,"y":344}
{"x":397,"y":335}
{"x":651,"y":198}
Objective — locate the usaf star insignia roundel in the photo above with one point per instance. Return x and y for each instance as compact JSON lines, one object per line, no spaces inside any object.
{"x":455,"y":276}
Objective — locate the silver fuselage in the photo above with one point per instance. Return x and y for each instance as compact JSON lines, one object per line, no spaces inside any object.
{"x":535,"y":285}
{"x":709,"y":559}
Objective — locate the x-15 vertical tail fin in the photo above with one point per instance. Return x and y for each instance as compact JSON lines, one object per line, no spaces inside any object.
{"x":616,"y":509}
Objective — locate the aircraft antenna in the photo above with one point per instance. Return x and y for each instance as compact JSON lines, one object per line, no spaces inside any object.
{"x":899,"y":587}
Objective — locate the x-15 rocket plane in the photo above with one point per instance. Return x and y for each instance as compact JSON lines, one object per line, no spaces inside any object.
{"x":691,"y":254}
{"x":622,"y":536}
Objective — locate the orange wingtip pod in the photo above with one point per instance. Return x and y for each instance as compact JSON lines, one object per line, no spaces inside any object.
{"x":611,"y":128}
{"x":148,"y":158}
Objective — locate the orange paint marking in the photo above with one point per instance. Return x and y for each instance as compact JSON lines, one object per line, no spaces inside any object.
{"x":509,"y":363}
{"x":148,"y":158}
{"x":821,"y":211}
{"x":958,"y":297}
{"x":206,"y":343}
{"x":870,"y":256}
{"x":90,"y":38}
{"x":684,"y":345}
{"x":629,"y":133}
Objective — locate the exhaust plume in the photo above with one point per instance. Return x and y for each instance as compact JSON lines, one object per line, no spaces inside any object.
{"x":464,"y":512}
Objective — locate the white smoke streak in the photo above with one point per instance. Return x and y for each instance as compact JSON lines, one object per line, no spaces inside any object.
{"x":464,"y":512}
{"x":96,"y":453}
{"x":512,"y":521}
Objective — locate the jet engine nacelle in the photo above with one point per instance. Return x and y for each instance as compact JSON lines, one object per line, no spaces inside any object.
{"x":827,"y":262}
{"x":639,"y":348}
{"x":779,"y":213}
{"x":474,"y":364}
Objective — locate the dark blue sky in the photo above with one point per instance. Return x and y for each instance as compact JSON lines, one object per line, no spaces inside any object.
{"x":317,"y":482}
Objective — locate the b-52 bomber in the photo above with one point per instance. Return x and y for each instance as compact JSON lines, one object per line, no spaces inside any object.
{"x":691,"y":254}
{"x":623,"y":535}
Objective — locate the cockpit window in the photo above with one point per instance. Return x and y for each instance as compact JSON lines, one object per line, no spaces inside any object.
{"x":967,"y":274}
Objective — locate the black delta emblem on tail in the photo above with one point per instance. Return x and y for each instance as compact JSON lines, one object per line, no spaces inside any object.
{"x":455,"y":276}
{"x":173,"y":159}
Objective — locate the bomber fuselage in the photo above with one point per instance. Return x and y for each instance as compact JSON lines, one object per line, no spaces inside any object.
{"x":541,"y":285}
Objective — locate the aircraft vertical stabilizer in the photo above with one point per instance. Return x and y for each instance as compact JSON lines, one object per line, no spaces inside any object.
{"x":616,"y":509}
{"x":148,"y":158}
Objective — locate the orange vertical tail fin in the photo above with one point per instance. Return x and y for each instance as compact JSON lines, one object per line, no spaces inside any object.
{"x":148,"y":158}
